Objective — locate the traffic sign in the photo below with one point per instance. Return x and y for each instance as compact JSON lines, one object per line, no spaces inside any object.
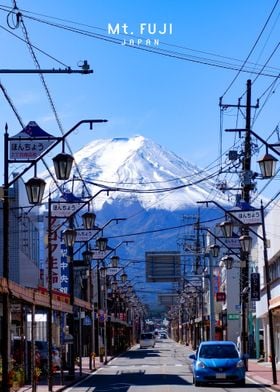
{"x":233,"y":316}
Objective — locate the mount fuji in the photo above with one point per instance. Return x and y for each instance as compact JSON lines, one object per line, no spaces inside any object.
{"x":143,"y":171}
{"x":151,"y":189}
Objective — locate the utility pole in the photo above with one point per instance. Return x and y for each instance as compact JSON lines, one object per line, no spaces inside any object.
{"x":246,"y":187}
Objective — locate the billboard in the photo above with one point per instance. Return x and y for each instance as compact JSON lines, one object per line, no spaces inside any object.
{"x":168,"y":299}
{"x":163,"y":266}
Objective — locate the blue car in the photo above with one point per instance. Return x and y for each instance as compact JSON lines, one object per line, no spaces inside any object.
{"x":217,"y":361}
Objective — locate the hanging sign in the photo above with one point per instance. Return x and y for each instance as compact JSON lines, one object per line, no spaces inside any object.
{"x":85,"y":235}
{"x":255,"y":286}
{"x":250,"y":217}
{"x":64,"y":209}
{"x":29,"y":143}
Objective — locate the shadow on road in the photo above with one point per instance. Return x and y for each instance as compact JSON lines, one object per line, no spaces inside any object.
{"x":141,"y":353}
{"x":124,"y":380}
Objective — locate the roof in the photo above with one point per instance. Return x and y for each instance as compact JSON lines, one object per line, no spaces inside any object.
{"x":220,"y":342}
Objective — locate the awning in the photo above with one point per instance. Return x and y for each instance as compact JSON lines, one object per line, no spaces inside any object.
{"x":274,"y":303}
{"x":40,"y":297}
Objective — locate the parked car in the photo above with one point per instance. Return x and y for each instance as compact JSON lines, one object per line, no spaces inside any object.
{"x":163,"y":335}
{"x":217,"y":361}
{"x":147,"y":339}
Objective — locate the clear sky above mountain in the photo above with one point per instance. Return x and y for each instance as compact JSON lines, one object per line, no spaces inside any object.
{"x":168,"y":91}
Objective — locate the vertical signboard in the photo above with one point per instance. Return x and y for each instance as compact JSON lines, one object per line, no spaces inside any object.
{"x":255,"y":286}
{"x":59,"y":263}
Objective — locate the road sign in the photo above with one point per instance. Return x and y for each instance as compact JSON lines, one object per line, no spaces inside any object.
{"x":64,"y":209}
{"x":29,"y":143}
{"x":100,"y":254}
{"x":113,"y":270}
{"x":233,"y":316}
{"x":250,"y":217}
{"x":85,"y":235}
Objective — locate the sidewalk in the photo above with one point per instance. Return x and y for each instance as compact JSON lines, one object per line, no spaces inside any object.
{"x":261,"y":373}
{"x":61,"y":382}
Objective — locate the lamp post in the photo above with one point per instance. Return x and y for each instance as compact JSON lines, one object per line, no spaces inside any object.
{"x":213,"y":253}
{"x":87,"y":257}
{"x":69,"y":236}
{"x":63,"y":165}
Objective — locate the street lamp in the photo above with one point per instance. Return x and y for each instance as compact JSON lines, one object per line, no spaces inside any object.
{"x":267,"y":165}
{"x":69,"y":236}
{"x":123,"y":277}
{"x":101,"y":243}
{"x":227,"y":228}
{"x":246,"y":243}
{"x":227,"y":261}
{"x":88,"y":220}
{"x":115,"y":261}
{"x":35,"y":188}
{"x":214,"y":249}
{"x":63,"y":165}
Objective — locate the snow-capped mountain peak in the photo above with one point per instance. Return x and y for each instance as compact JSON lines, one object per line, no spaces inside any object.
{"x":143,"y":170}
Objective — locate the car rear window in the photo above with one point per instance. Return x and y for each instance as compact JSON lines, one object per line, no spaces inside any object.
{"x":147,"y":336}
{"x":218,"y":351}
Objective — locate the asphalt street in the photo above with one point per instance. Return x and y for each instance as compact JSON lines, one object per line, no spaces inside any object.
{"x":164,"y":368}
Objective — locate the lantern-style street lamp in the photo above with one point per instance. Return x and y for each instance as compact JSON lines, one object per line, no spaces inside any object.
{"x":214,"y":250}
{"x":226,"y":228}
{"x":267,"y":165}
{"x":123,"y":277}
{"x":101,"y":243}
{"x":88,"y":220}
{"x":69,"y":236}
{"x":227,"y":261}
{"x":63,"y":165}
{"x":35,"y":188}
{"x":246,"y":243}
{"x":115,"y":261}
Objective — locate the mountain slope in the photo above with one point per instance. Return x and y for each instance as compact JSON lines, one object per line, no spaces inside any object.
{"x":157,"y":189}
{"x":144,"y":171}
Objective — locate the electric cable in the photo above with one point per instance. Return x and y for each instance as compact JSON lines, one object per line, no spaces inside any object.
{"x":252,"y":49}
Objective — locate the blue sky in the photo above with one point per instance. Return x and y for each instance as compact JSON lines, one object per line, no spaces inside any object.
{"x":173,"y":101}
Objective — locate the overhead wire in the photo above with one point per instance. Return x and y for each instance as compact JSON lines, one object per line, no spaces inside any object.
{"x":159,"y":51}
{"x":252,"y":49}
{"x":43,"y":81}
{"x":34,"y":47}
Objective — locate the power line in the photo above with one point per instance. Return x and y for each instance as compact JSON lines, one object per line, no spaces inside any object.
{"x":252,"y":49}
{"x":167,"y":53}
